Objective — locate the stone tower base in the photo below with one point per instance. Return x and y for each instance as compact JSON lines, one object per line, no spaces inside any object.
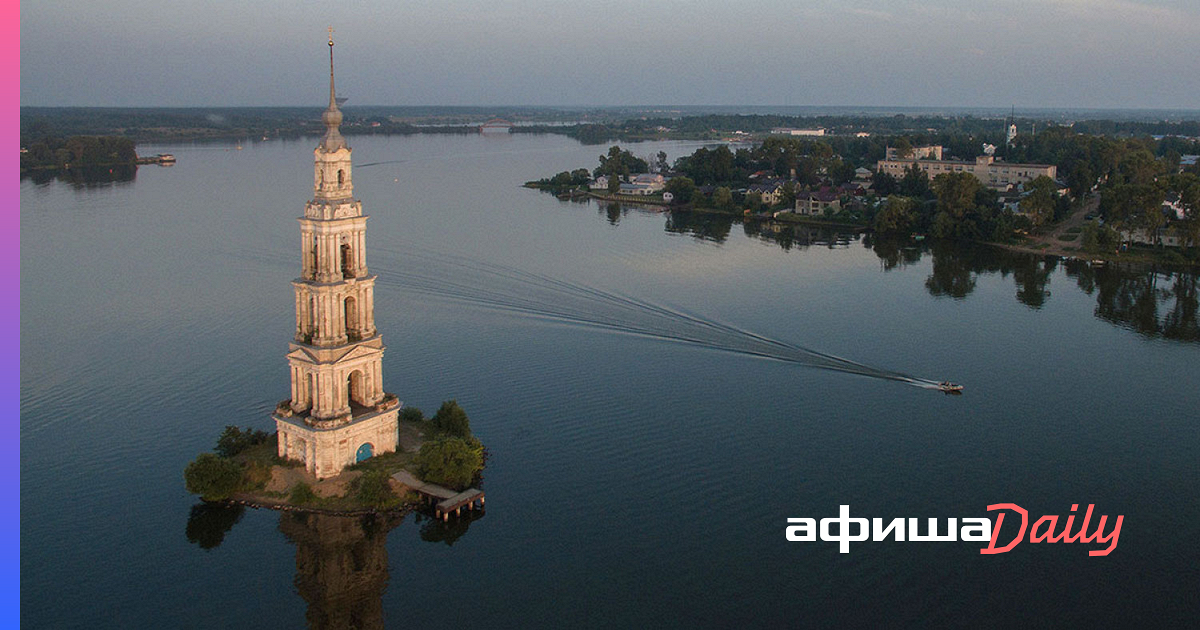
{"x":325,"y":452}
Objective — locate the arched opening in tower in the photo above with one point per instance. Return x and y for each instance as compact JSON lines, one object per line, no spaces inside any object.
{"x":353,"y":330}
{"x":347,"y":261}
{"x":356,"y":388}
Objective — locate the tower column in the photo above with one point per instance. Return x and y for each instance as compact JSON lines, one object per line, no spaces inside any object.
{"x":361,"y":251}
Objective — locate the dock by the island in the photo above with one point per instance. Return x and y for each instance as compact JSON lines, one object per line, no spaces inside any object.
{"x":445,"y":499}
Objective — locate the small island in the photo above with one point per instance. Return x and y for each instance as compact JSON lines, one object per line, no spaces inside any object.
{"x":435,"y":457}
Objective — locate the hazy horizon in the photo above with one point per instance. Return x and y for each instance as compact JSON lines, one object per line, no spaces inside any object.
{"x":1051,"y":54}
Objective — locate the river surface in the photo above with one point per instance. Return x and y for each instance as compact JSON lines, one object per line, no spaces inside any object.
{"x":644,"y":458}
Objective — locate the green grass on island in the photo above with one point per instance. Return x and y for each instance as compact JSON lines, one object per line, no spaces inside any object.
{"x":245,"y":466}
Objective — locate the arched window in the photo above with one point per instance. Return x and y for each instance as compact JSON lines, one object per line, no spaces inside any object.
{"x":347,"y":261}
{"x":341,"y":177}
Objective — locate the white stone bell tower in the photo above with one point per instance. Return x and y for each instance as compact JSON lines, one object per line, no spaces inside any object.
{"x":338,"y":413}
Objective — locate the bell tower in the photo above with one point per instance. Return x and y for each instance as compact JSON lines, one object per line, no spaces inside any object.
{"x":338,"y":413}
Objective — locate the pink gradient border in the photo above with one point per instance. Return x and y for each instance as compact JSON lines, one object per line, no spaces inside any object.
{"x":10,"y":318}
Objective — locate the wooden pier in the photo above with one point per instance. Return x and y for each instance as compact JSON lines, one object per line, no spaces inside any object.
{"x":445,"y":500}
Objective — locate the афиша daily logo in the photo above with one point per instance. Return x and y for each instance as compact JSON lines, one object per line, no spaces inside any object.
{"x":973,"y":529}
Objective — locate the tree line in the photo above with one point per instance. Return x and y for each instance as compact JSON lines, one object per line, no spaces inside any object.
{"x":78,"y":151}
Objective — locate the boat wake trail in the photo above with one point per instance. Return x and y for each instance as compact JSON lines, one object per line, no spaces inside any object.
{"x":530,"y":294}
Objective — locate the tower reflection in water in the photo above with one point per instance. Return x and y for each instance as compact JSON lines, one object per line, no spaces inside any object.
{"x":341,"y":567}
{"x":341,"y":561}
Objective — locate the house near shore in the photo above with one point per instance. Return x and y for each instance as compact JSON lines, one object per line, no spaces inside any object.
{"x":1168,"y":236}
{"x":496,"y":125}
{"x":817,"y":202}
{"x":771,"y":192}
{"x":642,"y":184}
{"x":788,"y":131}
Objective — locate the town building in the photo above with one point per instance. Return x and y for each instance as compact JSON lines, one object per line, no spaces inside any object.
{"x":641,"y":184}
{"x":991,"y":172}
{"x":770,"y":191}
{"x":788,"y":131}
{"x":496,"y":125}
{"x":930,"y":152}
{"x":817,"y":202}
{"x":338,"y":413}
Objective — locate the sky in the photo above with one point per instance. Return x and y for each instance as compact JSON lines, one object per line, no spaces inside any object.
{"x":937,"y":53}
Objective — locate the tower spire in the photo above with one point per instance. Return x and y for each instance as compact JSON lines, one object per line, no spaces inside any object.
{"x":332,"y":93}
{"x":333,"y":140}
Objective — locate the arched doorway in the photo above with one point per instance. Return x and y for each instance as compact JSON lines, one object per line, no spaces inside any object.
{"x":364,"y":452}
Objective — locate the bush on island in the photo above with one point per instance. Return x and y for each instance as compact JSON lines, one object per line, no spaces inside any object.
{"x":373,"y":490}
{"x":412,"y":414}
{"x":302,"y":494}
{"x":234,"y":440}
{"x":450,"y":419}
{"x":213,"y":478}
{"x":450,"y":462}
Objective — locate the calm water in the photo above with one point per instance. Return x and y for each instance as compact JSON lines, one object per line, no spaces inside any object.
{"x":633,"y":480}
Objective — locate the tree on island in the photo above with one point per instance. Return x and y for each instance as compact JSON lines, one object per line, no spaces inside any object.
{"x":372,"y":489}
{"x":79,"y":151}
{"x":213,"y":478}
{"x":412,"y":414}
{"x":234,"y":440}
{"x":621,"y":163}
{"x":450,"y":462}
{"x":451,"y":420}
